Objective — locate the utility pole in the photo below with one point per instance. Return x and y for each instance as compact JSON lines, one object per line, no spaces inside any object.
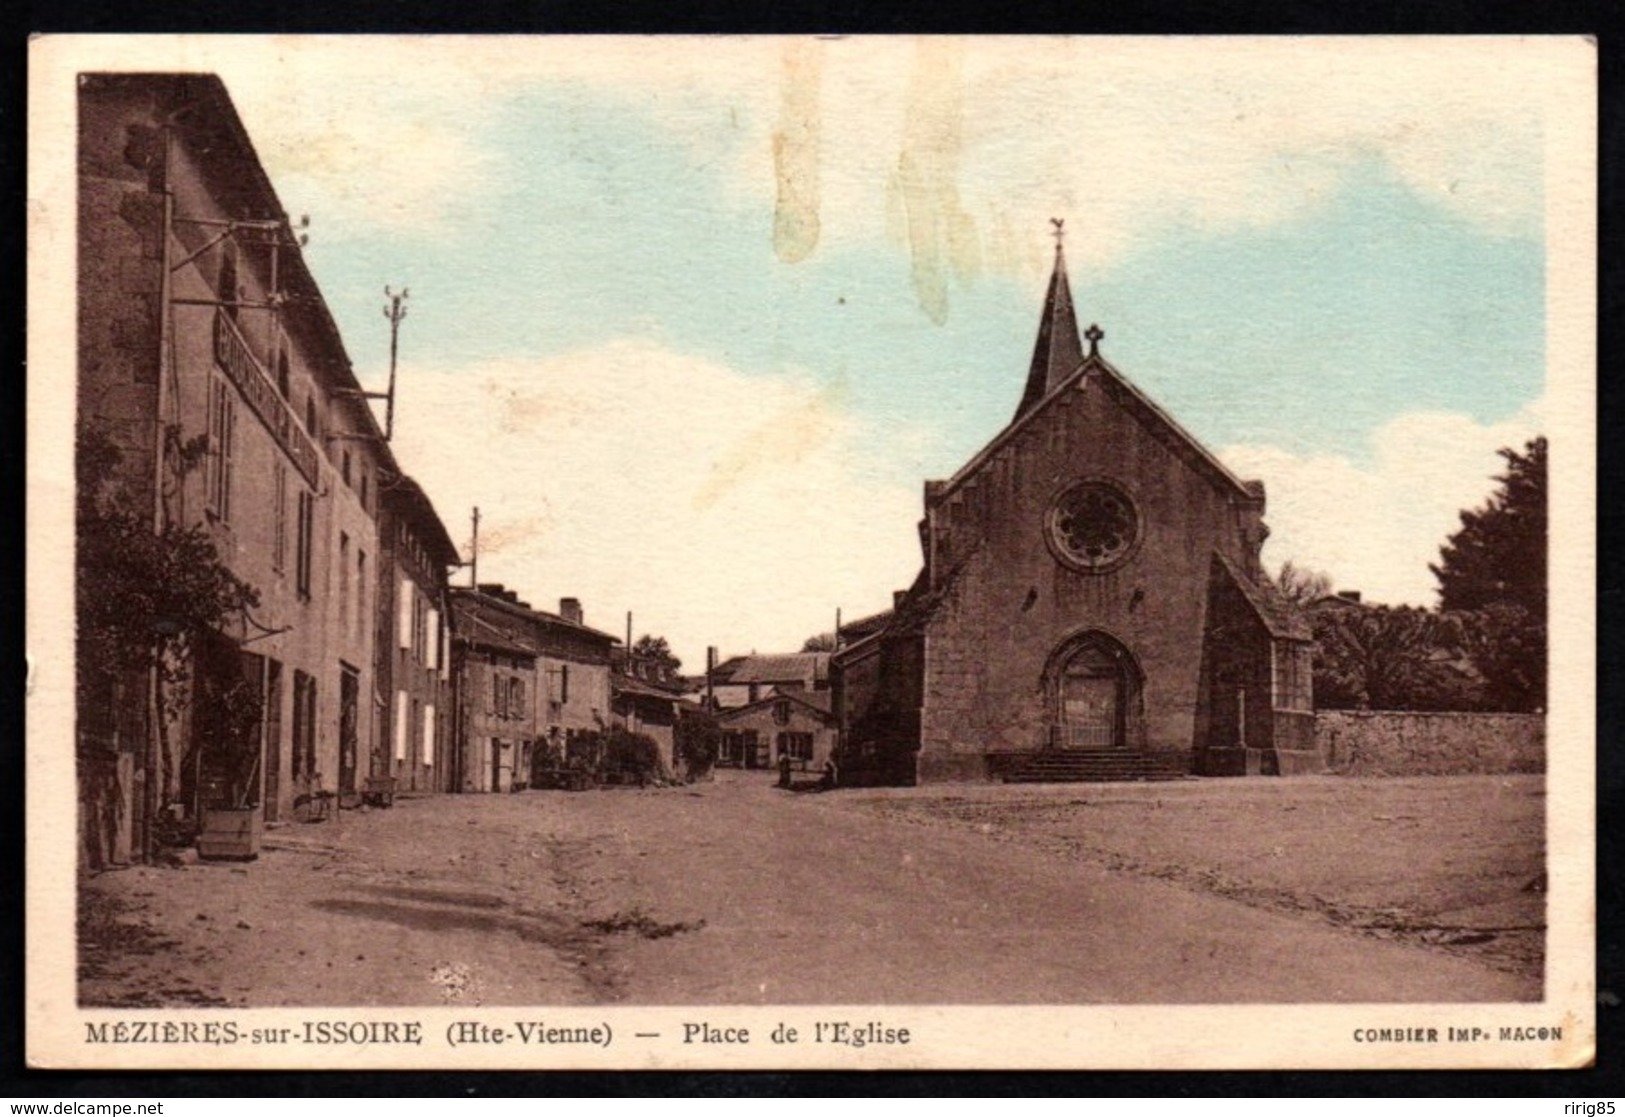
{"x":474,"y":552}
{"x":395,"y":312}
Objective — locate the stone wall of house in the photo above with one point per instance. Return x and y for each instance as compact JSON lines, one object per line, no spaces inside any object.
{"x":1406,"y":743}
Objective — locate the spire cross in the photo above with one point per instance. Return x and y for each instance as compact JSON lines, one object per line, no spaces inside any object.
{"x":1093,"y":335}
{"x":1059,"y":232}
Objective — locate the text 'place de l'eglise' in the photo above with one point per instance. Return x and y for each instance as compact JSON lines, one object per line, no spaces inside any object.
{"x":1091,"y":603}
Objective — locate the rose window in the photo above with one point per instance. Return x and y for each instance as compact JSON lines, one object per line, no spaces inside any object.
{"x":1094,"y":526}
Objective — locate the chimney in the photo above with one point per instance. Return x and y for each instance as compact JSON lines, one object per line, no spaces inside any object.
{"x":897,"y":598}
{"x":570,"y":609}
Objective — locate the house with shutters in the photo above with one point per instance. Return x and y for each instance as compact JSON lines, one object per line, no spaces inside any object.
{"x":797,"y":726}
{"x":1091,"y":602}
{"x":529,"y":684}
{"x":208,"y":359}
{"x":413,"y":667}
{"x":494,"y":664}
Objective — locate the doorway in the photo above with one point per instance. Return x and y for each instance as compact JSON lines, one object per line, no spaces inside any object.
{"x":1094,"y":687}
{"x":349,"y":715}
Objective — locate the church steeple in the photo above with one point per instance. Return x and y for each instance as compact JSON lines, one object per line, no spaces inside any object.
{"x":1059,"y":351}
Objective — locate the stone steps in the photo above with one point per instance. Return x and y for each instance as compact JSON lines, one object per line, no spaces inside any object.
{"x":1093,"y":766}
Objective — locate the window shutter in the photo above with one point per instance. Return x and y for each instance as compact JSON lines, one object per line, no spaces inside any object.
{"x":401,"y":727}
{"x":431,"y":647}
{"x":428,"y":735}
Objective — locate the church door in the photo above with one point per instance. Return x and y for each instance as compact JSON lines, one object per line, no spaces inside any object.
{"x":1092,"y":700}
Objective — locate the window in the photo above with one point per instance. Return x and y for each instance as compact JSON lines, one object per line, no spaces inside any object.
{"x":365,"y":495}
{"x":403,"y":620}
{"x":222,"y":431}
{"x":283,"y":385}
{"x":420,"y":637}
{"x":401,"y":728}
{"x":428,"y":736}
{"x":564,"y":684}
{"x":279,"y":519}
{"x":344,"y":467}
{"x":304,"y":726}
{"x":310,"y":417}
{"x":1093,"y":527}
{"x":1293,"y":671}
{"x":307,"y":533}
{"x":797,"y":746}
{"x":344,"y":580}
{"x":499,"y":696}
{"x":516,"y":697}
{"x":361,"y":594}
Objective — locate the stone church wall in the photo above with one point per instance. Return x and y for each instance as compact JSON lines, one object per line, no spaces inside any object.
{"x":1008,"y":602}
{"x":1407,"y":743}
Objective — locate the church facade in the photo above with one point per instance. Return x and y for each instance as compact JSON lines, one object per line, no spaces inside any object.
{"x":1091,"y":603}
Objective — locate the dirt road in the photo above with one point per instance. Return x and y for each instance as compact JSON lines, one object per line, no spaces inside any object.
{"x":735,"y":892}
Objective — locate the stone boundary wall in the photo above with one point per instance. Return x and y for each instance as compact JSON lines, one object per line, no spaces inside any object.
{"x":1408,"y":743}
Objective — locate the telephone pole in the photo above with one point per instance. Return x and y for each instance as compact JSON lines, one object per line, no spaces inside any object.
{"x":395,"y":312}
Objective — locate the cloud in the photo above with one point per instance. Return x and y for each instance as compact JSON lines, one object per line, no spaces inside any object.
{"x":719,"y":507}
{"x":1375,"y":527}
{"x":1123,"y":136}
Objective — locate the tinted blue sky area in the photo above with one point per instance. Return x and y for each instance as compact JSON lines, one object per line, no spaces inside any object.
{"x":1328,"y":264}
{"x":598,"y":224}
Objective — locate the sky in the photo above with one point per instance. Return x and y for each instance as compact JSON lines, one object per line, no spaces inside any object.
{"x":692,"y":320}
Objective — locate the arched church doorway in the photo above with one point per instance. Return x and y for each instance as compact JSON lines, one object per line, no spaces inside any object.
{"x":1094,"y":687}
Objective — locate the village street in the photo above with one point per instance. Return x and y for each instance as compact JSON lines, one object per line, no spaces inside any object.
{"x":735,"y":892}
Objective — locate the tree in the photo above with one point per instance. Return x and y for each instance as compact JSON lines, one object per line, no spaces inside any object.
{"x":1300,"y":585}
{"x":655,"y":650}
{"x":1499,"y":555}
{"x":1381,"y":658}
{"x":823,"y":642}
{"x":145,"y":601}
{"x":1493,"y":571}
{"x":698,"y":738}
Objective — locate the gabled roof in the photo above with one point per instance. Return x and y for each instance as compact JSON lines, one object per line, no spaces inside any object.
{"x":491,"y":629}
{"x":798,"y":667}
{"x":1058,"y":365}
{"x":636,"y":688}
{"x":1278,"y":615}
{"x":491,"y":605}
{"x":865,"y":627}
{"x":823,"y":712}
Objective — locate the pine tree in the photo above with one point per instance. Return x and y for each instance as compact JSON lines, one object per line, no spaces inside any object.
{"x":1499,"y":555}
{"x":1492,"y":577}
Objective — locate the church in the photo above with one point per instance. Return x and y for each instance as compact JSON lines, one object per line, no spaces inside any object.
{"x":1091,"y":603}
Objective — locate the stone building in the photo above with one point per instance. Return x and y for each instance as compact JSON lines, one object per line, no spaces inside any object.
{"x":646,"y":696}
{"x":1091,"y":602}
{"x":415,"y":554}
{"x":794,"y":725}
{"x":494,"y":662}
{"x":200,"y":325}
{"x":741,"y":680}
{"x":529,"y":683}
